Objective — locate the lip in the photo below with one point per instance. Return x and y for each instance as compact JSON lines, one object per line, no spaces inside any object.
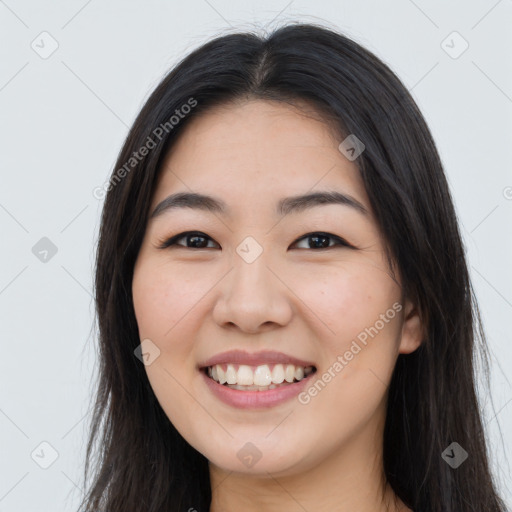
{"x":254,"y":359}
{"x":256,"y":399}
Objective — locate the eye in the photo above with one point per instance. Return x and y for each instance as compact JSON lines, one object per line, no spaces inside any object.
{"x":321,"y":240}
{"x":198,"y":240}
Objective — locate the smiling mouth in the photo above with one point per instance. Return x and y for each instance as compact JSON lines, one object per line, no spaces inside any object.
{"x":257,"y":378}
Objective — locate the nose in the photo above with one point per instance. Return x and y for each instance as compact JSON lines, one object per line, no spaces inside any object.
{"x":252,"y":297}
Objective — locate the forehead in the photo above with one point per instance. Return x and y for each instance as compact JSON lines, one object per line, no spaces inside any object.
{"x":257,"y":149}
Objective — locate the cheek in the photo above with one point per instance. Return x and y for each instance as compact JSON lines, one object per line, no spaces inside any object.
{"x":164,"y":306}
{"x":346,"y":300}
{"x":163,"y":297}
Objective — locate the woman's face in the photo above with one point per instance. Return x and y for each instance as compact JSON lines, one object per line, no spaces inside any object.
{"x":252,"y":281}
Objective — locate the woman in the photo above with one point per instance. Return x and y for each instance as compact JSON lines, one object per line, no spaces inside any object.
{"x":285,"y":314}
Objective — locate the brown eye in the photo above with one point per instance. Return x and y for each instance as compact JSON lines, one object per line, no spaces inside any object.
{"x":193,"y":240}
{"x":320,"y":240}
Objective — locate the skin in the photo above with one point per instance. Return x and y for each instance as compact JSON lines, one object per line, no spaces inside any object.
{"x":295,"y":298}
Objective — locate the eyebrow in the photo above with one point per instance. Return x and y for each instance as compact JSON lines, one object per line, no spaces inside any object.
{"x":285,"y":206}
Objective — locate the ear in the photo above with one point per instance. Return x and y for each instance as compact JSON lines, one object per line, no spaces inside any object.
{"x":412,"y":330}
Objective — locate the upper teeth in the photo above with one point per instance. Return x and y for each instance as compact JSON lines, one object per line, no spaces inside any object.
{"x":259,"y":375}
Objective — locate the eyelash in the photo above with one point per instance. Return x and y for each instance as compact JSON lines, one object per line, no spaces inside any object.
{"x":164,"y":244}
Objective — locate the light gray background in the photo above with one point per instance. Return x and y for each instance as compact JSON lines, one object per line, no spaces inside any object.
{"x":64,"y":118}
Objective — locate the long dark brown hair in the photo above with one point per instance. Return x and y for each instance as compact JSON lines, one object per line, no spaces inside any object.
{"x":136,"y":459}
